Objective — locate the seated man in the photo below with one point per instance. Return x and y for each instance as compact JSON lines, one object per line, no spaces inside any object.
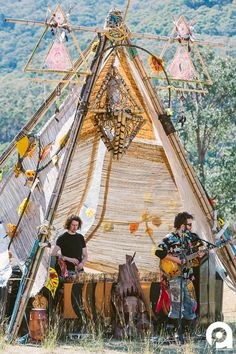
{"x":70,"y":246}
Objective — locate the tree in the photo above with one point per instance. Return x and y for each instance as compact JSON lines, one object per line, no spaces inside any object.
{"x":209,"y":134}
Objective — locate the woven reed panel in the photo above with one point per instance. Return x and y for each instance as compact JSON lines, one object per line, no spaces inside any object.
{"x":77,"y":180}
{"x":14,"y":190}
{"x":143,"y":172}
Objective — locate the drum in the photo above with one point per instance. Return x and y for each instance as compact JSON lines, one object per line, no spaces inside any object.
{"x":38,"y":323}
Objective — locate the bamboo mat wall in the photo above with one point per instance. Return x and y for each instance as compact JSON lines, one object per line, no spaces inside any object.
{"x":143,"y":172}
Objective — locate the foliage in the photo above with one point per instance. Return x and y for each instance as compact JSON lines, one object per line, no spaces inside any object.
{"x":209,"y":134}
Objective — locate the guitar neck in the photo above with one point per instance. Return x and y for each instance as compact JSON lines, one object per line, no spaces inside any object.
{"x":192,"y":256}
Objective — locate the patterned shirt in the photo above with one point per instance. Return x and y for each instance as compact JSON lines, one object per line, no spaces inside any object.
{"x":172,"y":245}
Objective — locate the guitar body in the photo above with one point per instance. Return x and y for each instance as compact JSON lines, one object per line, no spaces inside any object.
{"x":169,"y":267}
{"x":173,"y":269}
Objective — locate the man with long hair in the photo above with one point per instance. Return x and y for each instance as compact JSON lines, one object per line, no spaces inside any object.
{"x":70,"y":246}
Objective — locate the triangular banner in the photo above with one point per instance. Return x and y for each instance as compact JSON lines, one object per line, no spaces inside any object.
{"x":58,"y":57}
{"x":181,"y":68}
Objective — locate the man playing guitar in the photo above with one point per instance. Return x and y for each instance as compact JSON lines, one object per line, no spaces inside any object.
{"x":176,"y":269}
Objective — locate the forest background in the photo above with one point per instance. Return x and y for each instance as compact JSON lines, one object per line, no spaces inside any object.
{"x":209,"y":132}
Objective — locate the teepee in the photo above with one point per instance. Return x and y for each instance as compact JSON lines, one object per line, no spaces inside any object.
{"x":112,"y":155}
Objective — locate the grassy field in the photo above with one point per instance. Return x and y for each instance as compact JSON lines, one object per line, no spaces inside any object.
{"x":101,"y":344}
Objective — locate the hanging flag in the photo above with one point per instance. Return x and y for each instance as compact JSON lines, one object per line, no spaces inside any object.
{"x":45,"y":151}
{"x":182,"y":67}
{"x":23,"y":206}
{"x":58,"y":57}
{"x":22,"y":146}
{"x":133,"y":227}
{"x":53,"y":281}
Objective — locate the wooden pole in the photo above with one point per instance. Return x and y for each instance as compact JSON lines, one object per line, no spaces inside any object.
{"x":104,"y":31}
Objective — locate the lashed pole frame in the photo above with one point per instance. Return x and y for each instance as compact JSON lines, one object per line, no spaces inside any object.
{"x":43,"y":108}
{"x":80,"y":115}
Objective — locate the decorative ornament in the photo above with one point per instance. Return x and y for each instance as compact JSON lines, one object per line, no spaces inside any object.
{"x":132,"y":53}
{"x":23,"y":206}
{"x":40,"y":302}
{"x":90,"y":212}
{"x":55,"y":159}
{"x":145,"y":216}
{"x":156,"y":64}
{"x":31,"y":151}
{"x":133,"y":227}
{"x":156,"y":221}
{"x":17,"y":170}
{"x":149,"y":231}
{"x":22,"y":146}
{"x":212,"y":201}
{"x":108,"y":226}
{"x":58,"y":57}
{"x":117,"y":115}
{"x":53,"y":281}
{"x":169,"y":112}
{"x":11,"y":232}
{"x":45,"y":151}
{"x":29,"y":177}
{"x":63,"y":140}
{"x":181,"y":68}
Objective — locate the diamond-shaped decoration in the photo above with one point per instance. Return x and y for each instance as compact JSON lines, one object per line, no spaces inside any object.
{"x":118,"y":121}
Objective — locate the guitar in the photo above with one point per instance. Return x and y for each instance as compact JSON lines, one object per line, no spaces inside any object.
{"x":173,"y":269}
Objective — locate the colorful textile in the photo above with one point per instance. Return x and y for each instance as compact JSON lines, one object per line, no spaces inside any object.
{"x":189,"y":303}
{"x":163,"y":302}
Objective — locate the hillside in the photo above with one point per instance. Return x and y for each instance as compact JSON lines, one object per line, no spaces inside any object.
{"x":215,"y":20}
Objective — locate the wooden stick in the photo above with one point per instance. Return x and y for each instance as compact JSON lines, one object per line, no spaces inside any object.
{"x":180,"y":89}
{"x":58,"y":71}
{"x":182,"y":80}
{"x":38,"y":79}
{"x":103,"y":31}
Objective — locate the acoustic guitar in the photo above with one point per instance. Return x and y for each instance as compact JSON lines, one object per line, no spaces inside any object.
{"x":173,"y":269}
